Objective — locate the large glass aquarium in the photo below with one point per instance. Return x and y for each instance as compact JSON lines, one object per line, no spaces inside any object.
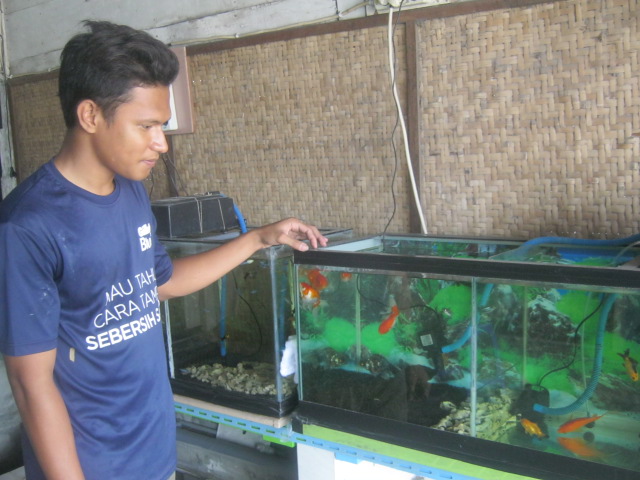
{"x":516,"y":356}
{"x":225,"y":342}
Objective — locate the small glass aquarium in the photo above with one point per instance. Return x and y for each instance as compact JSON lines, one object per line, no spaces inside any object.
{"x":519,"y":356}
{"x":225,"y":342}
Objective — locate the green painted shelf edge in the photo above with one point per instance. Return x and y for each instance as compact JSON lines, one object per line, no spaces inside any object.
{"x":409,"y":455}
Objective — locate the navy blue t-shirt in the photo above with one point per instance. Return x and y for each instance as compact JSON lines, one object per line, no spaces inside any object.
{"x":79,"y":273}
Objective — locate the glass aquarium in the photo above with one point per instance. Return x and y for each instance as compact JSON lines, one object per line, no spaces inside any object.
{"x":225,"y":342}
{"x":511,"y":355}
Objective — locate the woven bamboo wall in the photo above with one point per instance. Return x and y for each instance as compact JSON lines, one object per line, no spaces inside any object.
{"x":527,"y":122}
{"x":298,"y":128}
{"x":36,"y":123}
{"x":38,"y":130}
{"x":528,"y":119}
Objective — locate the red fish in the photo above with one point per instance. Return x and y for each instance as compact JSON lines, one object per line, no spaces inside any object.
{"x":630,"y":365}
{"x":310,"y":295}
{"x":579,"y":447}
{"x":345,"y":276}
{"x":388,"y":323}
{"x":317,"y":279}
{"x":576,"y":423}
{"x":532,"y":428}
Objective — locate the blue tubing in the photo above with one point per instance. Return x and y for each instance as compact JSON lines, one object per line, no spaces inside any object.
{"x":223,"y":316}
{"x":241,"y":222}
{"x":582,"y":241}
{"x":458,"y":343}
{"x":467,"y":333}
{"x":597,"y":367}
{"x":615,"y":242}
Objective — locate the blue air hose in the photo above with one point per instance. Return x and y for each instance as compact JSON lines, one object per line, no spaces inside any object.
{"x":467,"y":334}
{"x":223,"y":316}
{"x":595,"y":376}
{"x":597,"y":364}
{"x":241,"y":222}
{"x":597,"y":367}
{"x":579,"y":241}
{"x":537,"y":241}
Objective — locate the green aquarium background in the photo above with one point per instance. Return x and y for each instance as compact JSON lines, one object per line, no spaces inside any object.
{"x":535,"y":363}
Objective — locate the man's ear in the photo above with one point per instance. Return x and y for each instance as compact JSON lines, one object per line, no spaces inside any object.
{"x":89,"y":114}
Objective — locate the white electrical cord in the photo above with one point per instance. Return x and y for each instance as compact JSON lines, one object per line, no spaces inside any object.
{"x":402,"y":124}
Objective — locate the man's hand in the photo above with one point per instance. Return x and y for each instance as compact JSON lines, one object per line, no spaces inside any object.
{"x":194,"y":272}
{"x":292,"y":232}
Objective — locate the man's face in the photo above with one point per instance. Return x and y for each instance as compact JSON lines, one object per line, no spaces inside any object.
{"x":131,"y":143}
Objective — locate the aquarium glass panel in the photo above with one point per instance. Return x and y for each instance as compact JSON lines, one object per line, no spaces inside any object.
{"x":395,"y":346}
{"x":572,"y":254}
{"x":423,"y":245}
{"x":226,"y":342}
{"x":558,"y":370}
{"x":539,"y":357}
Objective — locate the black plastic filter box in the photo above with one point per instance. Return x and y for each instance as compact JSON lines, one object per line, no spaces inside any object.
{"x":193,"y":215}
{"x":218,"y":214}
{"x":176,"y":216}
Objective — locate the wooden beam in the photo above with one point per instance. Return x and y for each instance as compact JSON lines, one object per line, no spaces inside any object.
{"x":377,"y":20}
{"x":413,"y":122}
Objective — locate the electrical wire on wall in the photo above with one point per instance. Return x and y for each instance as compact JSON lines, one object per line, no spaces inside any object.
{"x":393,"y":139}
{"x":416,"y":196}
{"x":175,"y":183}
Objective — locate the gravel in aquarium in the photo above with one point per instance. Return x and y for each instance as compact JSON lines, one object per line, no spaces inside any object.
{"x":491,"y":417}
{"x":253,"y":378}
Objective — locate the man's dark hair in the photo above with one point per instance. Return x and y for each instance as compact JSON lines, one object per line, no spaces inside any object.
{"x":104,"y":64}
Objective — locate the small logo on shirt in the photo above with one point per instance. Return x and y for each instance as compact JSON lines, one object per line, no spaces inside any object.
{"x":144,"y":232}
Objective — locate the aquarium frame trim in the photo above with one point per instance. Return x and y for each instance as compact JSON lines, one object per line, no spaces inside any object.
{"x":259,"y":405}
{"x":478,"y":451}
{"x":473,"y":268}
{"x":500,"y":456}
{"x":288,"y":436}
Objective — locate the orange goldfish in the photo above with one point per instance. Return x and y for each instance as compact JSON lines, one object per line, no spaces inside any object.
{"x":388,"y":323}
{"x":532,"y":428}
{"x":317,"y":279}
{"x":579,"y":447}
{"x":310,"y":295}
{"x":576,"y":423}
{"x":345,"y":276}
{"x":630,"y":365}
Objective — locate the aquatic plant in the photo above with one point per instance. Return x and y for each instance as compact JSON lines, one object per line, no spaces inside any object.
{"x":312,"y":322}
{"x":376,"y":343}
{"x":595,"y":262}
{"x":577,"y":305}
{"x":456,"y":299}
{"x":339,"y":334}
{"x":426,"y":288}
{"x":406,"y":334}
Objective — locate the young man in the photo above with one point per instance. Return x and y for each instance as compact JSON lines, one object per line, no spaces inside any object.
{"x":82,"y":274}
